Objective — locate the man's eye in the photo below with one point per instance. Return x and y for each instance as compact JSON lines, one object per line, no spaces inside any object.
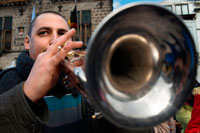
{"x":43,"y":33}
{"x":61,"y":33}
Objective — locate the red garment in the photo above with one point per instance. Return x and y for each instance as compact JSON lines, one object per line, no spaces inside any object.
{"x":194,"y":123}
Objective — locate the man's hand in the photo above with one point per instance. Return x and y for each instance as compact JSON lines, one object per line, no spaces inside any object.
{"x":47,"y":67}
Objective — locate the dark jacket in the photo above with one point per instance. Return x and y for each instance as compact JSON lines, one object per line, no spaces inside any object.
{"x":17,"y":114}
{"x":16,"y":76}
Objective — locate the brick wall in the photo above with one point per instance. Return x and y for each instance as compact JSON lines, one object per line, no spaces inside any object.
{"x":8,"y":59}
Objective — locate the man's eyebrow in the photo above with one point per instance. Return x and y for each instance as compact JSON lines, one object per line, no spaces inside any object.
{"x":48,"y":28}
{"x":63,"y":30}
{"x":43,"y":28}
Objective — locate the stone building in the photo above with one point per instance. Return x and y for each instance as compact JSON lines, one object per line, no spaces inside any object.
{"x":15,"y":16}
{"x":189,"y":10}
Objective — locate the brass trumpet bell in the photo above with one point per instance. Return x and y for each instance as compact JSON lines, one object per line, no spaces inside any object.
{"x":140,"y":65}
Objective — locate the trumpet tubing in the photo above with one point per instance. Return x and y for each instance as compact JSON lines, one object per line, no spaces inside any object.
{"x":140,"y":65}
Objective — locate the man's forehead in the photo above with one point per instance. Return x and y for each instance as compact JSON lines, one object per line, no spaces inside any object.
{"x":49,"y":19}
{"x":49,"y":14}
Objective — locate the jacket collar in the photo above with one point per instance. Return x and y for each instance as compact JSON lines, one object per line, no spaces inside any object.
{"x":24,"y":65}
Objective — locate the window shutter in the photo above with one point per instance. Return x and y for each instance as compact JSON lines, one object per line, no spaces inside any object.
{"x":86,"y":17}
{"x":8,"y":23}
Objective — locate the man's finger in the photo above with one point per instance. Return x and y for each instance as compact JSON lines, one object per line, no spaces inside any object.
{"x":60,"y":56}
{"x":53,"y":49}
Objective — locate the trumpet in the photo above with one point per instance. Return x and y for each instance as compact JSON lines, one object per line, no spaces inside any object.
{"x":140,"y":66}
{"x":73,"y":54}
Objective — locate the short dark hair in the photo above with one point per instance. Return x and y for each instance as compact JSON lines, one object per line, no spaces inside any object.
{"x":33,"y":21}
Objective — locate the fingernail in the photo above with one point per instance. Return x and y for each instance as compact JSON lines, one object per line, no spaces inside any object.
{"x":80,"y":41}
{"x":72,"y":29}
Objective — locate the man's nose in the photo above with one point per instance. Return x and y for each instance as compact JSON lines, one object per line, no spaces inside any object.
{"x":53,"y":38}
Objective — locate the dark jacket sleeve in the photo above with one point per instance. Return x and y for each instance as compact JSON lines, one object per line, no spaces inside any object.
{"x":16,"y":114}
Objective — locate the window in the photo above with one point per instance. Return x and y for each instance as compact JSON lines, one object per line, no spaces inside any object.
{"x":185,"y":9}
{"x":5,"y":33}
{"x":1,"y":19}
{"x":182,"y":9}
{"x":84,"y":26}
{"x":169,"y":7}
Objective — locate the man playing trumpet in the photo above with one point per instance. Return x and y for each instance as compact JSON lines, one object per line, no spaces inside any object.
{"x":37,"y":73}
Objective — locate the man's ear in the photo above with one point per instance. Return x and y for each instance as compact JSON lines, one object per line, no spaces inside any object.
{"x":27,"y":42}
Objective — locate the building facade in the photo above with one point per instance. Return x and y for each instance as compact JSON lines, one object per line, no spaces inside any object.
{"x":189,"y":11}
{"x":15,"y":16}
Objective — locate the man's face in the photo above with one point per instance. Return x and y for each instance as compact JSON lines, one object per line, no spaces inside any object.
{"x":47,"y":28}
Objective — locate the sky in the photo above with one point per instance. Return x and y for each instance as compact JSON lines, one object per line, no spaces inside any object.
{"x":118,"y":3}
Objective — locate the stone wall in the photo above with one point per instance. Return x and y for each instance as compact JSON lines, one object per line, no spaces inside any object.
{"x":98,"y":12}
{"x":8,"y":59}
